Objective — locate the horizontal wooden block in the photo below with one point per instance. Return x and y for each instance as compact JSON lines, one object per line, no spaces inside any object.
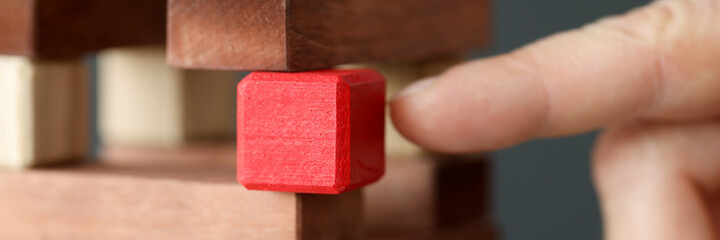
{"x":43,"y":111}
{"x":418,"y":199}
{"x":148,"y":193}
{"x":429,"y":192}
{"x":315,"y":132}
{"x":295,"y":35}
{"x":143,"y":101}
{"x":61,"y":28}
{"x":188,"y":194}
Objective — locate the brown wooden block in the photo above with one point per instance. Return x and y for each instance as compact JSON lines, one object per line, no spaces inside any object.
{"x":43,"y":111}
{"x":428,"y":193}
{"x":439,"y":197}
{"x":143,"y":101}
{"x":60,"y":28}
{"x":183,"y":194}
{"x":295,"y":35}
{"x":190,"y":193}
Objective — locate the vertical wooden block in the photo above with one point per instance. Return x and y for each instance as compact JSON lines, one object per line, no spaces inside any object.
{"x":43,"y":111}
{"x":314,"y":132}
{"x":145,"y":102}
{"x":331,"y":216}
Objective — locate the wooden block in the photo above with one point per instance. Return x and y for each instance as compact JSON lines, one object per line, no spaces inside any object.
{"x":62,"y":28}
{"x":43,"y":111}
{"x":150,"y":198}
{"x":404,"y":205}
{"x":148,"y":193}
{"x":428,"y":193}
{"x":398,"y":76}
{"x":145,"y":102}
{"x":295,"y":35}
{"x":314,"y":132}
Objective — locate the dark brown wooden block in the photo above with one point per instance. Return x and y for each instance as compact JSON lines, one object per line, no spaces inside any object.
{"x":61,"y":28}
{"x":295,"y":35}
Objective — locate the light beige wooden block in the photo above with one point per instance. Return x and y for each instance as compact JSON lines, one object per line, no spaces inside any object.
{"x":398,"y":76}
{"x":143,"y":101}
{"x":43,"y":111}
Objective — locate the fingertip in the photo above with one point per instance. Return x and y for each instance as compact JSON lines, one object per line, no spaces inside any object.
{"x":416,"y":113}
{"x":478,"y":106}
{"x":414,"y":88}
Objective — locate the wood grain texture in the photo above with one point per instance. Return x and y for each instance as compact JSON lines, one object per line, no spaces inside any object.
{"x":313,"y":132}
{"x":399,"y":75}
{"x":219,"y":33}
{"x":143,"y":101}
{"x":296,"y":35}
{"x":189,"y":193}
{"x":62,"y":28}
{"x":427,"y":193}
{"x":405,"y":205}
{"x":43,"y":111}
{"x":150,"y":198}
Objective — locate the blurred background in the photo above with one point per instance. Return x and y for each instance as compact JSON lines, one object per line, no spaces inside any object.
{"x":543,"y":189}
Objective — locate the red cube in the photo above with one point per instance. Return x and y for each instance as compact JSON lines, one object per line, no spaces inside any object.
{"x":311,"y":132}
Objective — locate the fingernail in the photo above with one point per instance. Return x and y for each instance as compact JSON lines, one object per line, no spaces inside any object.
{"x":414,"y":88}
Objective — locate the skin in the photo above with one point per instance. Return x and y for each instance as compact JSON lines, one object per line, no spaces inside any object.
{"x":650,"y":78}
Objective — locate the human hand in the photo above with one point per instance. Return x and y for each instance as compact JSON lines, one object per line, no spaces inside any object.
{"x":651,"y":77}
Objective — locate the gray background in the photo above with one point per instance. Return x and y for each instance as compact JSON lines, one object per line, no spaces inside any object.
{"x":542,"y":189}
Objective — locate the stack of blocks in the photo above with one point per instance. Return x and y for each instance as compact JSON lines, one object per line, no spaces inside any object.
{"x":314,"y":140}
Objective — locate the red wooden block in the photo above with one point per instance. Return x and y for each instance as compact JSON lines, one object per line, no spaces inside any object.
{"x":311,"y":132}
